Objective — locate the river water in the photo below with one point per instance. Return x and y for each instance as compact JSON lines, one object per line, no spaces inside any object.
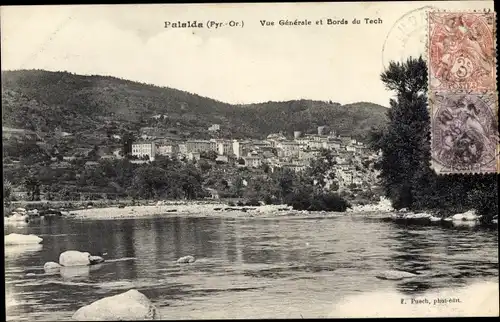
{"x":292,"y":267}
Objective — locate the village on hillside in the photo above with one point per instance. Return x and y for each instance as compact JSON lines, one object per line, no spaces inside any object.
{"x":353,"y":161}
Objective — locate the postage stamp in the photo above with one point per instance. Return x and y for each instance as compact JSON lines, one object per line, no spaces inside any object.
{"x":461,"y":51}
{"x":464,"y":132}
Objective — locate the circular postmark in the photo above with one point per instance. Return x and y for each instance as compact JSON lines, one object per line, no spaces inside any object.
{"x":407,"y":37}
{"x":464,"y":131}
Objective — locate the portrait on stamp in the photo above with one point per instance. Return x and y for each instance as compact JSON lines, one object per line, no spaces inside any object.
{"x":461,"y":51}
{"x":464,"y":131}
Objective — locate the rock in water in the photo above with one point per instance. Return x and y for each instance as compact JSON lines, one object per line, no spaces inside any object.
{"x":395,"y":275}
{"x":19,"y":239}
{"x":186,"y":259}
{"x":96,"y":260}
{"x":435,"y":219}
{"x":131,"y":305}
{"x":51,"y":267}
{"x":16,"y":217}
{"x":74,"y":258}
{"x":466,"y":216}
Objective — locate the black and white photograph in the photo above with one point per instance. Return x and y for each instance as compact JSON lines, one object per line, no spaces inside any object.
{"x":250,"y":161}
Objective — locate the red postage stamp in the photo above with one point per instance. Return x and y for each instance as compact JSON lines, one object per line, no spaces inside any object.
{"x":461,"y":51}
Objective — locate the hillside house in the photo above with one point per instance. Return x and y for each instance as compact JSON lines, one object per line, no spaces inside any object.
{"x":144,"y":148}
{"x":252,"y":161}
{"x":193,"y":156}
{"x":288,"y":149}
{"x":224,"y":147}
{"x":297,"y":167}
{"x":222,"y":159}
{"x":167,"y":149}
{"x":237,"y":148}
{"x":139,"y":161}
{"x":198,"y":146}
{"x":214,"y":128}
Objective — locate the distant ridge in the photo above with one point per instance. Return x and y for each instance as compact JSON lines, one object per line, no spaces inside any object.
{"x":45,"y":101}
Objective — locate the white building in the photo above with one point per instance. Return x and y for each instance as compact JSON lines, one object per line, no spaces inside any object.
{"x":193,"y":156}
{"x":214,"y":127}
{"x":168,"y":149}
{"x":198,"y":146}
{"x":289,"y":149}
{"x":237,"y":149}
{"x":350,"y":148}
{"x":252,"y":161}
{"x":332,"y":145}
{"x":224,"y":147}
{"x":183,"y":149}
{"x":141,"y":149}
{"x":294,"y":167}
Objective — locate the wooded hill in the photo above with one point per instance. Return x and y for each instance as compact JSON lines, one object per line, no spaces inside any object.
{"x":49,"y":101}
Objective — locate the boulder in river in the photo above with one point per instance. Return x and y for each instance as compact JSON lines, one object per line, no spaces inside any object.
{"x":394,"y":275}
{"x":74,"y":258}
{"x":15,"y":217}
{"x":131,"y":305}
{"x":466,"y":216}
{"x":412,"y":217}
{"x":51,"y":267}
{"x":186,"y":260}
{"x":435,"y":219}
{"x":33,"y":212}
{"x":20,"y":239}
{"x":95,"y":260}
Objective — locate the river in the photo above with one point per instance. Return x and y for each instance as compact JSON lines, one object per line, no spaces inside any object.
{"x":248,"y":267}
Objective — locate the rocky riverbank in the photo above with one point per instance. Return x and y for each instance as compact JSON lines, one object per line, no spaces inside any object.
{"x":199,"y":210}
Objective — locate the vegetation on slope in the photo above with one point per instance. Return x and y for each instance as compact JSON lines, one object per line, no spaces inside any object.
{"x":45,"y":101}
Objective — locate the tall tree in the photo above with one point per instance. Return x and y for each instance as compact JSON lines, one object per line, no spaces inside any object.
{"x":407,"y":178}
{"x":127,"y":139}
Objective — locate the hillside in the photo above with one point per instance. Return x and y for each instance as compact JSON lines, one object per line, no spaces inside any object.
{"x":94,"y":106}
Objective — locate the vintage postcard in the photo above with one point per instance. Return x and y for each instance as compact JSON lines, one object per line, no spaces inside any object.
{"x":250,"y":161}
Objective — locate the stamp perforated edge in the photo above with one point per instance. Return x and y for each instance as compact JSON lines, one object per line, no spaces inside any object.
{"x":431,"y":162}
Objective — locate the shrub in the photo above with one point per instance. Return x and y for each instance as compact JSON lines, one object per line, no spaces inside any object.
{"x":322,"y":201}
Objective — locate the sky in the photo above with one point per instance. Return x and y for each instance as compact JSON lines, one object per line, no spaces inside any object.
{"x":237,"y":65}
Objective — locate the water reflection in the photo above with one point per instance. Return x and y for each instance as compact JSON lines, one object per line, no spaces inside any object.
{"x":15,"y":251}
{"x":271,"y":265}
{"x":73,"y":273}
{"x":433,"y":254}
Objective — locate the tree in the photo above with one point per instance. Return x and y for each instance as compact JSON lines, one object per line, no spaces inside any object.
{"x":285,"y":180}
{"x":407,"y":178}
{"x":150,"y":182}
{"x":7,"y":191}
{"x":209,"y":155}
{"x":320,"y":169}
{"x":127,"y":140}
{"x":204,"y":165}
{"x":32,"y":184}
{"x":403,"y":141}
